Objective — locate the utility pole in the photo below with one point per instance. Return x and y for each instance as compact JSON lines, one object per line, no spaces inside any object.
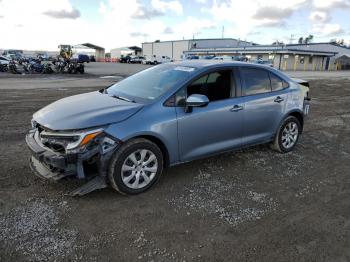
{"x":292,"y":38}
{"x":223,"y":31}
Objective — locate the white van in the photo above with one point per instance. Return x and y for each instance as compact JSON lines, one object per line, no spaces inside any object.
{"x":223,"y":58}
{"x":154,"y":60}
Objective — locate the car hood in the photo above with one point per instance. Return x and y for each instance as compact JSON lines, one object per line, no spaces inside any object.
{"x":84,"y":111}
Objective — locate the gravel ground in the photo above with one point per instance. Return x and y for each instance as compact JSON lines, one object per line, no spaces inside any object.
{"x":251,"y":205}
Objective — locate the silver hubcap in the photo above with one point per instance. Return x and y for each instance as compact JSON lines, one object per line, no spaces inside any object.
{"x":139,"y":169}
{"x":289,"y":135}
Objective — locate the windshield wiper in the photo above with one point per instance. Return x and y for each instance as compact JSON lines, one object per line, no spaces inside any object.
{"x":124,"y":98}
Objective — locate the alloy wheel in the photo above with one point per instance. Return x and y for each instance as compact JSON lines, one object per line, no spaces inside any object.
{"x":290,"y":135}
{"x":139,"y":169}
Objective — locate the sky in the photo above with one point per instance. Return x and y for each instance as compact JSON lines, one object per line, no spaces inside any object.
{"x":45,"y":24}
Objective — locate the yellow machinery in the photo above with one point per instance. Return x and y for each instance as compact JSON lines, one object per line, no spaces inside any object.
{"x":65,"y":51}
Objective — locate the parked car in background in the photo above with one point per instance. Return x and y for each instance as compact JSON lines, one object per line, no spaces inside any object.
{"x":4,"y":60}
{"x":208,"y":57}
{"x":163,"y":116}
{"x":125,"y":59}
{"x":4,"y":64}
{"x":43,"y":56}
{"x":137,"y":59}
{"x":192,"y":57}
{"x":154,"y":60}
{"x":262,"y":62}
{"x":223,"y":58}
{"x":17,"y":56}
{"x":240,"y":58}
{"x":149,"y":59}
{"x":81,"y":58}
{"x":164,"y":59}
{"x":92,"y":58}
{"x":13,"y":53}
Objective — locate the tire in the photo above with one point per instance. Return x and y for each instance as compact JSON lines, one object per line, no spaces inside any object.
{"x":132,"y":180}
{"x":289,"y":130}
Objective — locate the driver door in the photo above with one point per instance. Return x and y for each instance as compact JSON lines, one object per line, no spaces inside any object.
{"x":213,"y":128}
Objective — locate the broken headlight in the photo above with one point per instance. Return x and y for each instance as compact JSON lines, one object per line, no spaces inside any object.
{"x":70,"y":142}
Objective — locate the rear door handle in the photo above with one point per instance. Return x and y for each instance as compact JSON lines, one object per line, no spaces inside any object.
{"x":236,"y":108}
{"x":278,"y":99}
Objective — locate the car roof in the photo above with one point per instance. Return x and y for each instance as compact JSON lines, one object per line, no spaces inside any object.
{"x":6,"y":58}
{"x":217,"y":64}
{"x":201,"y":64}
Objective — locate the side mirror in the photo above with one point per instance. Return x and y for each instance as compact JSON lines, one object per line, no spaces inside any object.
{"x":195,"y":100}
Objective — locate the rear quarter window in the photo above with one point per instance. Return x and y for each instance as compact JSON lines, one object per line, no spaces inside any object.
{"x":277,"y":83}
{"x":257,"y":81}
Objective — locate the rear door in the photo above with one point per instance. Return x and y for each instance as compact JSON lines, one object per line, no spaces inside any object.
{"x":216,"y":127}
{"x":265,"y":97}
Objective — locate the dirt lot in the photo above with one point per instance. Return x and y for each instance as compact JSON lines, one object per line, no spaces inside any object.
{"x":251,"y":205}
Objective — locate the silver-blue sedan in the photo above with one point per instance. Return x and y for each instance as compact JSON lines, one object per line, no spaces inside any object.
{"x":126,"y":134}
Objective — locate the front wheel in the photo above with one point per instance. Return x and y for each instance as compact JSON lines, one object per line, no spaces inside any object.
{"x":135,"y":167}
{"x":287,"y":135}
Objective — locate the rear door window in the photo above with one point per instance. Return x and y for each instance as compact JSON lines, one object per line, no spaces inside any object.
{"x":277,"y":83}
{"x":257,"y":81}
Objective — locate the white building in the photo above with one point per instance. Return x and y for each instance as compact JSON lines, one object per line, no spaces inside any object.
{"x":123,"y":51}
{"x":313,"y":56}
{"x":281,"y":57}
{"x":176,"y":49}
{"x":91,"y":49}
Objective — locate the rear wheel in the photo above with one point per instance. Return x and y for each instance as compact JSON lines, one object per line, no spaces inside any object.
{"x":287,"y":135}
{"x":136,"y":166}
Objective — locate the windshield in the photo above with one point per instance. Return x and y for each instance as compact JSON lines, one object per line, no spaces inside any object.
{"x":151,"y":83}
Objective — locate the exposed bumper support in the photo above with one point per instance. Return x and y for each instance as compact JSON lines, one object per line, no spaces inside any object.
{"x":44,"y":172}
{"x":54,"y":166}
{"x":47,"y":164}
{"x":306,"y":106}
{"x":97,"y":182}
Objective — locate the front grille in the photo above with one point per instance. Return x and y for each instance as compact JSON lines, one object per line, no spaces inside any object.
{"x":55,"y":147}
{"x":55,"y":141}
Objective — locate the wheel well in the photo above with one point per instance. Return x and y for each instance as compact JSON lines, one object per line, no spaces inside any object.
{"x":300,"y":117}
{"x":161,"y":145}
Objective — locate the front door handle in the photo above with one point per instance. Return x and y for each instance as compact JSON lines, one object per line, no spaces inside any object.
{"x":236,"y":108}
{"x":278,"y":99}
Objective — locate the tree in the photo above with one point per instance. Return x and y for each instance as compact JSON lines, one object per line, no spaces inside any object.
{"x":308,"y":39}
{"x":341,"y":42}
{"x":278,"y":43}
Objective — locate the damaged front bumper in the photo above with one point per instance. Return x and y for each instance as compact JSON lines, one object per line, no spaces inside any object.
{"x":53,"y":165}
{"x":306,"y":106}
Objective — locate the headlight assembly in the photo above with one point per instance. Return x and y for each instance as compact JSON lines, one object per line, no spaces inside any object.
{"x":70,"y":142}
{"x":84,"y":139}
